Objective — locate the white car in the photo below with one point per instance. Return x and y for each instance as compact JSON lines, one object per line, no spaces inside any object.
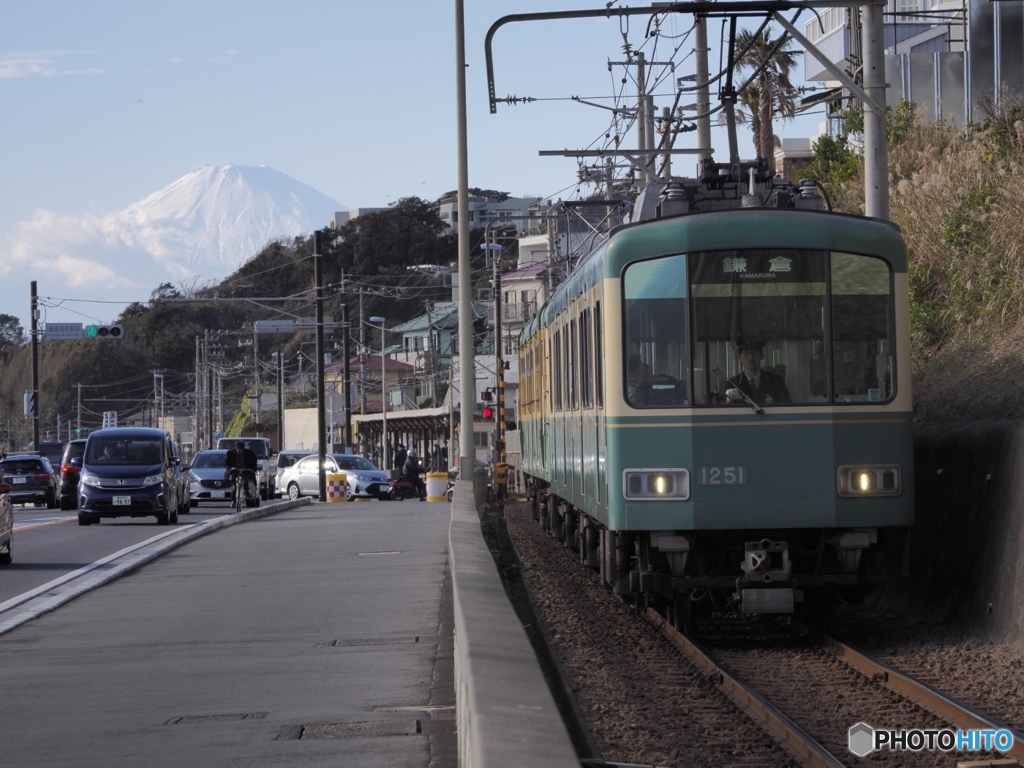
{"x":365,"y":479}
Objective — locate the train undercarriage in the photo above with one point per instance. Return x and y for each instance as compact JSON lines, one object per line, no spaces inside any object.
{"x":691,"y":574}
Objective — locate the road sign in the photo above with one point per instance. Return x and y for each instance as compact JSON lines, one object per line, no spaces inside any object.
{"x":63,"y":331}
{"x":290,"y":326}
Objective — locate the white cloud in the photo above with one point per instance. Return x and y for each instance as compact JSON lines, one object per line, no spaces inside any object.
{"x":21,"y":64}
{"x":65,"y":250}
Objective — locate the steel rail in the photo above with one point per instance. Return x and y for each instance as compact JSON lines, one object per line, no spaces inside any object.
{"x":956,"y":712}
{"x":785,"y":731}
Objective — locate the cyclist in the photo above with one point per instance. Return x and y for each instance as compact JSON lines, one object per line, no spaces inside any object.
{"x":242,"y":459}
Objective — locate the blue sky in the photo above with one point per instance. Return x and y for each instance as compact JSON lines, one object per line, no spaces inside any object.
{"x":106,"y":102}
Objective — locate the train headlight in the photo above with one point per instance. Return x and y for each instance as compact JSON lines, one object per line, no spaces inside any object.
{"x":869,"y":480}
{"x":655,"y":484}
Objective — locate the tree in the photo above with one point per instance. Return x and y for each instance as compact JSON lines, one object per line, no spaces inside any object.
{"x":487,"y":194}
{"x":772,"y":61}
{"x":11,"y":332}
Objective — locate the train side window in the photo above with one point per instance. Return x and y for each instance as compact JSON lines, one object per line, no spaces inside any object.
{"x":556,"y":370}
{"x":586,"y":360}
{"x":572,"y":366}
{"x":599,"y":357}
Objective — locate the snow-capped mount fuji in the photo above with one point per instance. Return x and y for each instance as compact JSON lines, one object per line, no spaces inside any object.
{"x":193,"y":232}
{"x":212,"y":220}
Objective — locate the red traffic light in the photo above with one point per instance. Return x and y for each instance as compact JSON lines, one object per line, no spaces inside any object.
{"x":488,"y":412}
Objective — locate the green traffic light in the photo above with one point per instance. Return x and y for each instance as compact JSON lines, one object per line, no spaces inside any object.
{"x":91,"y":331}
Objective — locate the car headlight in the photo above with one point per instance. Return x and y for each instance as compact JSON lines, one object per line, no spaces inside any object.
{"x":153,"y":480}
{"x":656,"y":484}
{"x":868,"y":480}
{"x":89,"y":479}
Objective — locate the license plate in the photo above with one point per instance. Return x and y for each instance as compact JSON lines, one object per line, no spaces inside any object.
{"x":122,"y":501}
{"x":18,"y":480}
{"x":218,"y":494}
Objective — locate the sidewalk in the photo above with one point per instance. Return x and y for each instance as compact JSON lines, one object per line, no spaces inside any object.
{"x":319,"y":635}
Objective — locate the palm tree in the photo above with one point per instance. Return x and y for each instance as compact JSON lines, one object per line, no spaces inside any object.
{"x":772,"y":60}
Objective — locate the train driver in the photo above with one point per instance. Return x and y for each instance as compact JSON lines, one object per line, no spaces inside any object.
{"x":638,"y":375}
{"x":761,"y":386}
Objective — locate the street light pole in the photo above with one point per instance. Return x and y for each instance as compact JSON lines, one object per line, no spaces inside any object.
{"x":385,"y":459}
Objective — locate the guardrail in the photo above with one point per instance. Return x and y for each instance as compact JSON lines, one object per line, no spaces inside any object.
{"x":506,"y":715}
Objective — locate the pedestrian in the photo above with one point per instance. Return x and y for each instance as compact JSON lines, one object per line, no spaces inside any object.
{"x":444,"y":457}
{"x":435,"y":457}
{"x":400,"y":456}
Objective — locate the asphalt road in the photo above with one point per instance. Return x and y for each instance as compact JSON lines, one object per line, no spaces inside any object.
{"x":48,"y":543}
{"x":319,"y":635}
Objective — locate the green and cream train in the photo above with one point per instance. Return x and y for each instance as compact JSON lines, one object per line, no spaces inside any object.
{"x":649,"y":446}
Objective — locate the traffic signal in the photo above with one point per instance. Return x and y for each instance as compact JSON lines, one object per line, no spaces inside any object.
{"x":488,"y":412}
{"x":104,"y":331}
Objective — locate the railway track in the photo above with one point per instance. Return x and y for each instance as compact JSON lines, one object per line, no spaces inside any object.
{"x":770,"y":699}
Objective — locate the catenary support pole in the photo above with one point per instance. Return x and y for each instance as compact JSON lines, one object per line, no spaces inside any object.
{"x":467,"y":362}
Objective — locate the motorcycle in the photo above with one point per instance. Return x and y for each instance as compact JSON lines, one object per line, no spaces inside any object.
{"x":404,"y":488}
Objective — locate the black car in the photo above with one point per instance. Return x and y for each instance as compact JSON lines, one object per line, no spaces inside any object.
{"x":31,"y":477}
{"x":51,"y":449}
{"x":128,"y":472}
{"x":70,"y":471}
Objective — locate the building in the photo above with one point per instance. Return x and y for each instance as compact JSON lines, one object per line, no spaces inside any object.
{"x":520,"y":212}
{"x":953,"y":60}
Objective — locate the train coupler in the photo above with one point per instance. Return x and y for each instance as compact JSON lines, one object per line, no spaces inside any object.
{"x":767,"y":582}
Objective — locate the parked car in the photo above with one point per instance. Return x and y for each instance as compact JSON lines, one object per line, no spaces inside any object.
{"x":128,"y":472}
{"x":206,"y":478}
{"x":70,"y":472}
{"x":365,"y":479}
{"x":286,"y":459}
{"x":31,"y":477}
{"x":6,"y":525}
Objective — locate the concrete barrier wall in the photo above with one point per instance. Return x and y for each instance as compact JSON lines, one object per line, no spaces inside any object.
{"x":967,"y":544}
{"x":506,"y":716}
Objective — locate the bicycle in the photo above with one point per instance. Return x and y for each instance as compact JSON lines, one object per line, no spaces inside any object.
{"x":240,"y":478}
{"x":239,"y":491}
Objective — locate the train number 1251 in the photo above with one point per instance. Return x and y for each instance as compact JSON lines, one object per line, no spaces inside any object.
{"x":722,"y":475}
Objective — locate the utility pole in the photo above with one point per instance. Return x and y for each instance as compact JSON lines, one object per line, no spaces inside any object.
{"x":467,"y":395}
{"x":256,"y":374}
{"x":703,"y":95}
{"x":280,"y":399}
{"x":347,"y":367}
{"x":35,"y":367}
{"x":429,"y":367}
{"x":321,"y":377}
{"x":197,"y":422}
{"x":362,"y":357}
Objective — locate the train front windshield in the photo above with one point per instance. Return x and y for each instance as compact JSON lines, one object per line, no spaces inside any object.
{"x":786,"y":327}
